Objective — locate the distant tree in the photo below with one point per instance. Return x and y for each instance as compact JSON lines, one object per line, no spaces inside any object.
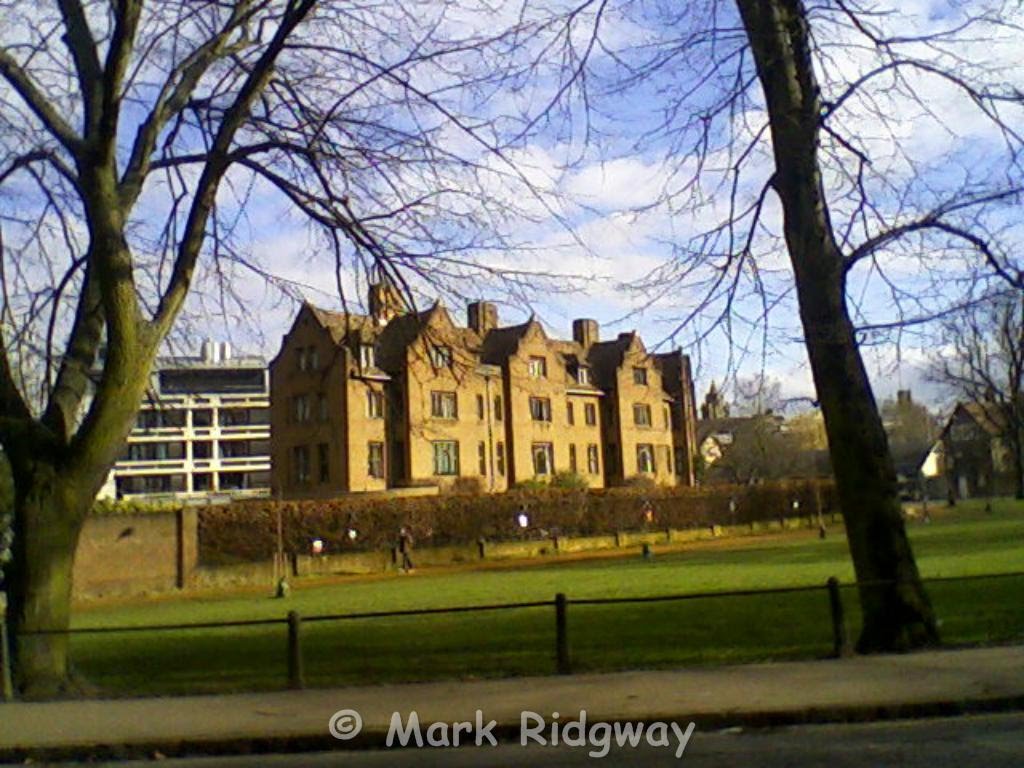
{"x":982,"y":361}
{"x":758,"y":394}
{"x":909,"y":425}
{"x":759,"y":451}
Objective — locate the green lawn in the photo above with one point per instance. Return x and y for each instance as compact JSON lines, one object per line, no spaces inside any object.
{"x":964,"y":541}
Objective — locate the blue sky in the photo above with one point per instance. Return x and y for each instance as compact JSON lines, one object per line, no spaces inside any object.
{"x":609,"y":222}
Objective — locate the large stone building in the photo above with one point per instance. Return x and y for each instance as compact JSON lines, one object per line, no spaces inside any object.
{"x":202,"y":432}
{"x":397,"y":399}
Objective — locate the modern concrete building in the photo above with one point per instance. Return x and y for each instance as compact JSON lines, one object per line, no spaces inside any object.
{"x":399,"y":399}
{"x":202,"y":433}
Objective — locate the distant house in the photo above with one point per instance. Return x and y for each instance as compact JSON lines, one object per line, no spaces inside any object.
{"x":751,"y":449}
{"x":972,"y":456}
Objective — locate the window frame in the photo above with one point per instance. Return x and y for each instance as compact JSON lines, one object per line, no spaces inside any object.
{"x":374,"y":404}
{"x":537,"y":367}
{"x":646,"y":449}
{"x":441,"y":356}
{"x":375,"y":446}
{"x":367,"y":356}
{"x":438,"y":446}
{"x":542,"y":412}
{"x":642,"y":416}
{"x":438,"y":399}
{"x":547,"y":450}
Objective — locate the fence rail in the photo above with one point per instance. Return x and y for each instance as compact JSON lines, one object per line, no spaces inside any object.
{"x":561,"y":605}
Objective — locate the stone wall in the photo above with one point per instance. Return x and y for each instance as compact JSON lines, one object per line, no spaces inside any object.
{"x":134,"y":554}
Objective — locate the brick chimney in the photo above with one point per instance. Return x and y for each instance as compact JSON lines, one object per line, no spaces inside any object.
{"x":482,"y":316}
{"x":384,"y":302}
{"x":585,"y":332}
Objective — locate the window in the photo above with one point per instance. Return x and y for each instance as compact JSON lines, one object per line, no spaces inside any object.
{"x":481,"y":454}
{"x":572,"y":457}
{"x":499,"y":413}
{"x":583,"y":374}
{"x":590,"y":414}
{"x":441,"y":357}
{"x":367,"y":356}
{"x":375,"y":459}
{"x":569,"y":415}
{"x":645,"y":458}
{"x":300,"y":463}
{"x":309,"y":358}
{"x":499,"y":449}
{"x":543,"y":459}
{"x":446,"y":457}
{"x":640,"y":376}
{"x":593,"y":463}
{"x":480,"y":407}
{"x":667,"y":453}
{"x":668,"y":423}
{"x":443,"y":405}
{"x":540,"y":409}
{"x":202,"y":417}
{"x":301,"y":408}
{"x":323,"y":459}
{"x":538,"y":367}
{"x":374,"y":404}
{"x":642,"y":415}
{"x":321,"y":406}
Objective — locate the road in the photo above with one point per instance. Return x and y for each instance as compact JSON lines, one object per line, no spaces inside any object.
{"x":993,"y":741}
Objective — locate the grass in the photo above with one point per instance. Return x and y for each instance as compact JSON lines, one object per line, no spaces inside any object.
{"x":960,"y":542}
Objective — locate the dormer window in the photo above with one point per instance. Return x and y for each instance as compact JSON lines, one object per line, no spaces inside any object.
{"x":441,"y":357}
{"x":367,"y":356}
{"x":583,"y":374}
{"x":538,"y":367}
{"x":640,"y":376}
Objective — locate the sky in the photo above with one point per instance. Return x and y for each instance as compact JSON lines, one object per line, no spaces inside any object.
{"x":605,"y":199}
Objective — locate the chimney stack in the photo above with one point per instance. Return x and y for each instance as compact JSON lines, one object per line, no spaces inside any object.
{"x":585,"y":332}
{"x":482,"y":316}
{"x":903,"y":397}
{"x":384,"y":302}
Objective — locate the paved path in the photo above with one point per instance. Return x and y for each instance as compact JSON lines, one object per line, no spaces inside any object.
{"x":862,"y":688}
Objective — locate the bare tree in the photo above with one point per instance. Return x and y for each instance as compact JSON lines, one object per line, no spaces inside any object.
{"x":790,"y":177}
{"x":141,"y":142}
{"x":982,"y":361}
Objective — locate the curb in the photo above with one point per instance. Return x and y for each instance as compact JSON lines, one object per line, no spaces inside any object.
{"x":506,"y":732}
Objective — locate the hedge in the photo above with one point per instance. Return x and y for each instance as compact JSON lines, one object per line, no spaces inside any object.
{"x":247,"y":530}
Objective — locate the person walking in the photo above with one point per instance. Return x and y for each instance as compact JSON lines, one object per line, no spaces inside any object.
{"x":405,"y":548}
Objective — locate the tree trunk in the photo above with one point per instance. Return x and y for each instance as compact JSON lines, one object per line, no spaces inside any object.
{"x":897,"y":614}
{"x":47,"y":520}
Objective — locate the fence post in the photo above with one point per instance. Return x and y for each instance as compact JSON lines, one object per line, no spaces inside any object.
{"x":6,"y":684}
{"x":294,"y":651}
{"x":840,"y":641}
{"x":563,"y":664}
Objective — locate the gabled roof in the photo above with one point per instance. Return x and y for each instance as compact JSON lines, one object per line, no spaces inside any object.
{"x":500,"y":343}
{"x":988,"y":416}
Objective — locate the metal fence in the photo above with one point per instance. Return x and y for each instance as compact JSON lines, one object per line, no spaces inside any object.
{"x":565,"y":642}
